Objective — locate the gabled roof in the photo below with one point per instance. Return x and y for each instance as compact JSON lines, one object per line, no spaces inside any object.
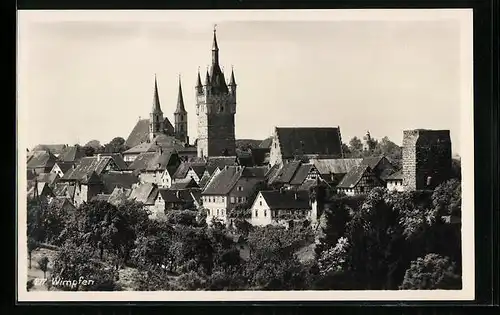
{"x":245,"y":158}
{"x":142,"y":161}
{"x":91,"y":178}
{"x":139,"y":134}
{"x":304,"y":140}
{"x":112,"y":180}
{"x":71,"y":154}
{"x":273,"y":173}
{"x":395,"y":176}
{"x":145,"y":193}
{"x":224,"y":182}
{"x":87,"y":166}
{"x":49,"y":178}
{"x":301,"y":174}
{"x":43,"y":190}
{"x":184,"y":168}
{"x":118,"y":159}
{"x":162,"y":141}
{"x":64,"y":166}
{"x":255,"y":171}
{"x":52,"y":148}
{"x":287,"y":172}
{"x":198,"y":169}
{"x":41,"y":159}
{"x":335,"y":166}
{"x":214,"y":162}
{"x":176,"y":196}
{"x":352,"y":178}
{"x":286,"y":199}
{"x":184,"y":183}
{"x":372,"y":162}
{"x":155,"y":161}
{"x":204,"y":180}
{"x":119,"y":195}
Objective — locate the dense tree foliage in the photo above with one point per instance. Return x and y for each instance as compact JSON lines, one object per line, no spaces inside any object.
{"x":116,"y":145}
{"x":384,"y":147}
{"x":382,"y":240}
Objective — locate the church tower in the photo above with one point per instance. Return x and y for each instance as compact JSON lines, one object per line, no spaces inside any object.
{"x":216,"y":108}
{"x":156,"y":120}
{"x":180,"y":116}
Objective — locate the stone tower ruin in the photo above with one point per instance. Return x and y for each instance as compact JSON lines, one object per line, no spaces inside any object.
{"x":426,"y":158}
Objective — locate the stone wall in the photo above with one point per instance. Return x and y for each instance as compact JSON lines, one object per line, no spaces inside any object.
{"x":275,"y":152}
{"x":426,"y":158}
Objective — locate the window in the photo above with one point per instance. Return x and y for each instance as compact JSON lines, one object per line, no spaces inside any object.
{"x":223,"y":199}
{"x":217,"y":211}
{"x":265,"y":213}
{"x":260,"y":203}
{"x":182,"y":118}
{"x":275,"y":145}
{"x":208,"y":210}
{"x":221,"y":109}
{"x":240,"y":188}
{"x":232,"y":199}
{"x":256,"y":213}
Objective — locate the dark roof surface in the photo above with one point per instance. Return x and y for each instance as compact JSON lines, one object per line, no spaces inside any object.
{"x":223,"y":182}
{"x":395,"y":176}
{"x":41,"y":159}
{"x":177,"y":195}
{"x":145,"y":193}
{"x":65,"y":166}
{"x":49,"y":178}
{"x":53,"y":148}
{"x":114,"y":180}
{"x":86,"y":166}
{"x":71,"y":154}
{"x":299,"y":141}
{"x":352,"y":178}
{"x":119,"y":195}
{"x":286,"y":199}
{"x":335,"y":166}
{"x":287,"y":172}
{"x":266,"y":143}
{"x":301,"y":174}
{"x":184,"y":184}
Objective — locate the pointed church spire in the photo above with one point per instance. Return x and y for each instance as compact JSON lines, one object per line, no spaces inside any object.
{"x":156,"y":99}
{"x":198,"y":81}
{"x":232,"y":81}
{"x":215,"y":49}
{"x":207,"y":78}
{"x":180,"y":99}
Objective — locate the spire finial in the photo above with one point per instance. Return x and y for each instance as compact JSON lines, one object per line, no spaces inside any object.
{"x":215,"y":28}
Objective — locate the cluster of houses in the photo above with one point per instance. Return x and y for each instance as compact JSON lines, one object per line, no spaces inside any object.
{"x":269,"y":182}
{"x":162,"y":179}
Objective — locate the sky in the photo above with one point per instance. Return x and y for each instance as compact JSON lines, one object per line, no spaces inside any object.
{"x":83,"y":76}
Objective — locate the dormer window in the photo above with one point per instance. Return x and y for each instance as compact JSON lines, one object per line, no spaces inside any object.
{"x":221,"y":109}
{"x":240,"y":188}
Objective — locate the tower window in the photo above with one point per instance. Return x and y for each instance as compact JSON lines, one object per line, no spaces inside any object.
{"x":182,"y":128}
{"x":182,"y":118}
{"x":221,"y":109}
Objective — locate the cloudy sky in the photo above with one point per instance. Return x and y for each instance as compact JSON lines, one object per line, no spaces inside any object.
{"x":85,"y":76}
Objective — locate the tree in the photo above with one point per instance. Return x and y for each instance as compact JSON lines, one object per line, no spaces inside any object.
{"x":355,"y":147}
{"x":80,"y":262}
{"x":89,"y":151}
{"x":116,"y":145}
{"x":389,"y":149}
{"x":43,"y":264}
{"x":32,"y":245}
{"x":432,"y":272}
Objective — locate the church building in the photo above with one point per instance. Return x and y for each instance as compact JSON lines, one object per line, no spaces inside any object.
{"x":147,"y":130}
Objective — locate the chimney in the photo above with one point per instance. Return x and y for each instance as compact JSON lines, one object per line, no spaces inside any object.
{"x":98,"y":157}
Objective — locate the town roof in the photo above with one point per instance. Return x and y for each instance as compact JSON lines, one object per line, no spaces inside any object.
{"x":214,"y":162}
{"x":64,"y":166}
{"x":335,"y":166}
{"x":112,"y":180}
{"x":119,"y":195}
{"x":41,"y":159}
{"x":101,"y":197}
{"x":145,"y":193}
{"x":287,"y":172}
{"x":286,"y":199}
{"x":273,"y":173}
{"x":30,"y":175}
{"x":160,"y":141}
{"x":247,"y":185}
{"x":184,"y":183}
{"x":71,"y":154}
{"x":49,"y":178}
{"x":204,"y":180}
{"x":352,"y":178}
{"x":52,"y":148}
{"x":87,"y":165}
{"x":259,"y":155}
{"x":61,"y":189}
{"x":308,"y":140}
{"x":266,"y":143}
{"x":43,"y":190}
{"x":184,"y":168}
{"x":140,"y":133}
{"x":198,"y":169}
{"x":223,"y":182}
{"x":255,"y":171}
{"x":244,"y":158}
{"x":395,"y":176}
{"x":142,"y":161}
{"x":177,"y":195}
{"x":91,"y":178}
{"x":372,"y":161}
{"x":161,"y":160}
{"x":301,"y":174}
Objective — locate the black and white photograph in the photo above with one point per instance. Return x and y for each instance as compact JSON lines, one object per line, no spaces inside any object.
{"x":245,"y":155}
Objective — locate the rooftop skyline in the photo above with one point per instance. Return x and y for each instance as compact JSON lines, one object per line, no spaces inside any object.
{"x":94,"y":78}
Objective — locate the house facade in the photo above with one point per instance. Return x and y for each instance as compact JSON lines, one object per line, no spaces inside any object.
{"x":360,"y":180}
{"x":280,"y":207}
{"x":395,"y":182}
